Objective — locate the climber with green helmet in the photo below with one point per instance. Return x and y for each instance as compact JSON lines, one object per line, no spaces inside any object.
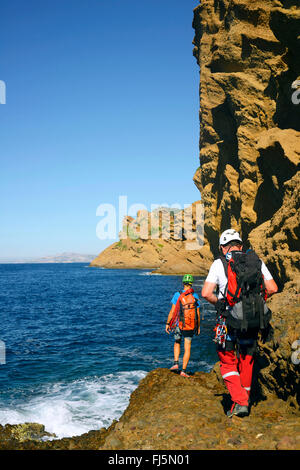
{"x":184,"y":319}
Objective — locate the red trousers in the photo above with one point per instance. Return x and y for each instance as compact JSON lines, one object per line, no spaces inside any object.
{"x":237,"y":375}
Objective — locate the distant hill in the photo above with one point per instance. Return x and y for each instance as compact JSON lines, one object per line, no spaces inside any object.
{"x":60,"y":258}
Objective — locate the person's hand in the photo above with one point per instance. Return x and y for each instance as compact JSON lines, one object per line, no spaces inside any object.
{"x":220,"y":306}
{"x":267,"y":334}
{"x":198,"y":333}
{"x":168,"y":328}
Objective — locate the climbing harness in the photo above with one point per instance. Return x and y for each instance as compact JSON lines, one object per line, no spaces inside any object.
{"x":221,"y":331}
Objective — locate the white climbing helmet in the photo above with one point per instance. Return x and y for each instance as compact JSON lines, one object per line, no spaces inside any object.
{"x":230,"y":235}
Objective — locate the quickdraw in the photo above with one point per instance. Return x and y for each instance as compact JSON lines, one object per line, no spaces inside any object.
{"x":221,"y":331}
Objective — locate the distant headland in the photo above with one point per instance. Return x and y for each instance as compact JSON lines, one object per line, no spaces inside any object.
{"x":65,"y":257}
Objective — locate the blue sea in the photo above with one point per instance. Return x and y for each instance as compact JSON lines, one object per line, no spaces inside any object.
{"x":77,"y":341}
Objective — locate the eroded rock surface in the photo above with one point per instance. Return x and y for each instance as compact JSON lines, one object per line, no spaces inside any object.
{"x":248,"y":53}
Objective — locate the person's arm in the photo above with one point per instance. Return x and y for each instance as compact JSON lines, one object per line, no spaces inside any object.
{"x":211,"y":283}
{"x":271,"y":287}
{"x":198,"y":314}
{"x":208,"y":292}
{"x":270,"y":284}
{"x":169,"y":319}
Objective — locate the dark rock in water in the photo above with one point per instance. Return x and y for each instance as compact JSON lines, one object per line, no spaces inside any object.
{"x":25,"y":432}
{"x":31,"y":436}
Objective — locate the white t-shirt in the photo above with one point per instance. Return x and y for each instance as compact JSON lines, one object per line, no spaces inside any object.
{"x":217,"y":275}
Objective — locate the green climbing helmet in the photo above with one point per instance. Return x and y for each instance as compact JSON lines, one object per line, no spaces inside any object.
{"x":187,"y":279}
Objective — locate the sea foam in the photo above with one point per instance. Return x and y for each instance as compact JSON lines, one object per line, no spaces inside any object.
{"x":71,"y":409}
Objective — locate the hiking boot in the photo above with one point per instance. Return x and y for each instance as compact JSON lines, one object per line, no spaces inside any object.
{"x":238,"y":410}
{"x":174,"y":367}
{"x":184,"y":374}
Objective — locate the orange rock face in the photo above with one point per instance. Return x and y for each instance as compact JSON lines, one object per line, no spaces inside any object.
{"x":250,"y":125}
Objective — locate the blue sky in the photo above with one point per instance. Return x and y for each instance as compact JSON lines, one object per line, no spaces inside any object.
{"x":101,"y":102}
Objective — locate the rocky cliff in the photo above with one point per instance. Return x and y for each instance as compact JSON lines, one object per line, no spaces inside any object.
{"x":248,"y":53}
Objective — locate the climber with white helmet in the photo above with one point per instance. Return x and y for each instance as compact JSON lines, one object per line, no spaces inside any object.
{"x":243,"y":283}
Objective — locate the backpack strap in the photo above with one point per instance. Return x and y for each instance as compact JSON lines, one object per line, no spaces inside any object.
{"x":225,"y":266}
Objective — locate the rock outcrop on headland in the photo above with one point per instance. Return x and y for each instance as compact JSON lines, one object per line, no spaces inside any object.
{"x":166,"y":241}
{"x":248,"y":53}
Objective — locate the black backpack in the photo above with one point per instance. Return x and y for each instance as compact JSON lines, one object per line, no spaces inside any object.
{"x":245,"y":292}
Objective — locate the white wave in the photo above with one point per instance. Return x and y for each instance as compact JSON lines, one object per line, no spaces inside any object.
{"x":149,"y":273}
{"x":97,"y":267}
{"x":71,"y":409}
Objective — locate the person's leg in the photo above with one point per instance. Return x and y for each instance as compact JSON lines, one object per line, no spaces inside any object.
{"x":176,"y":351}
{"x":231,"y":377}
{"x":245,"y":369}
{"x":187,"y":352}
{"x":247,"y":349}
{"x":177,"y":338}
